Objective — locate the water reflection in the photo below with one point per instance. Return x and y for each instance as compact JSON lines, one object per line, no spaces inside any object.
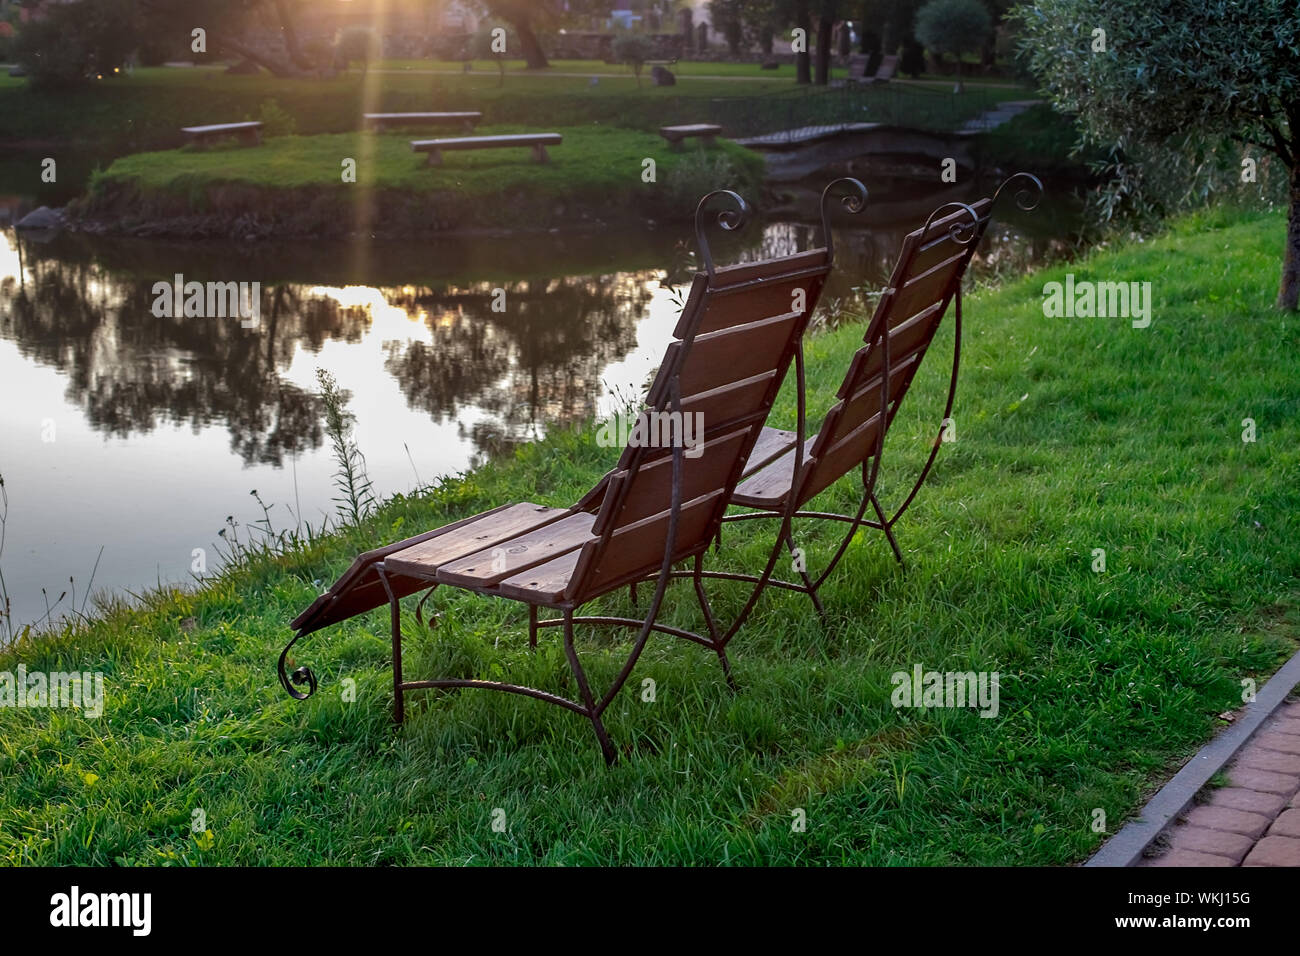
{"x":165,"y":424}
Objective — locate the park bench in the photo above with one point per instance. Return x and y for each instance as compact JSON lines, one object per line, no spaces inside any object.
{"x":380,"y":121}
{"x":538,"y":141}
{"x":249,"y":133}
{"x":676,"y":134}
{"x":659,"y":507}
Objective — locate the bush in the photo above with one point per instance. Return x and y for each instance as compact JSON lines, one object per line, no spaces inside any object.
{"x":632,"y":49}
{"x":78,"y":41}
{"x":275,"y":121}
{"x":356,"y":43}
{"x":699,"y":172}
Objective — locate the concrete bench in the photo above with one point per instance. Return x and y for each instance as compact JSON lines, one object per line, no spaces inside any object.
{"x":538,"y":141}
{"x":378,"y":121}
{"x":676,"y":134}
{"x":250,"y":133}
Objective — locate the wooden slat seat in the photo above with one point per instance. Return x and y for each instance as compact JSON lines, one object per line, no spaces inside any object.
{"x":487,"y":568}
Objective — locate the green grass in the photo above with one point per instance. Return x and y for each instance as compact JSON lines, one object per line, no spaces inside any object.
{"x":147,"y":110}
{"x":592,"y":161}
{"x":682,"y":68}
{"x":1071,"y":435}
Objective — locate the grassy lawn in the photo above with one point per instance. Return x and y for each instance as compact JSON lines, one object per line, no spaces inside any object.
{"x":1071,"y":435}
{"x":147,"y":110}
{"x":592,"y":160}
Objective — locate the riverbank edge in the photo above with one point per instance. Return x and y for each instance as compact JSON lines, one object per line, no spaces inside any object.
{"x":163,"y":614}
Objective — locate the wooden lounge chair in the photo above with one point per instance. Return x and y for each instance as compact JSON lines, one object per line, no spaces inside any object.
{"x":659,"y":507}
{"x":787,"y":471}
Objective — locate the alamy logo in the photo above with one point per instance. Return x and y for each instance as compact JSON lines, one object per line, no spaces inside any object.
{"x":56,"y":689}
{"x":74,"y":908}
{"x":213,"y":300}
{"x":655,"y":429}
{"x":1086,"y":299}
{"x":924,"y":689}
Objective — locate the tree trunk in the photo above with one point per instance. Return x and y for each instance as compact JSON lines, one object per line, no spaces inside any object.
{"x":1289,"y":289}
{"x":534,"y":55}
{"x":824,"y":27}
{"x":275,"y":67}
{"x":803,"y":21}
{"x":291,"y":36}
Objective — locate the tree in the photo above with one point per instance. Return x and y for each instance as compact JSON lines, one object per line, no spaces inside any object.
{"x":803,"y":21}
{"x":954,"y":26}
{"x":227,"y":24}
{"x":632,"y":49}
{"x":76,"y":42}
{"x":489,"y":44}
{"x":1224,"y":68}
{"x":524,"y":15}
{"x":826,"y":13}
{"x":727,"y":17}
{"x":356,"y":43}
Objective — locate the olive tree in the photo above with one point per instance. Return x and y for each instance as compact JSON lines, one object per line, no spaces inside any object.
{"x":953,"y":26}
{"x":1145,"y":72}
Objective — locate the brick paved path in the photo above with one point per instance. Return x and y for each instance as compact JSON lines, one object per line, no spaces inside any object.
{"x":1255,"y":820}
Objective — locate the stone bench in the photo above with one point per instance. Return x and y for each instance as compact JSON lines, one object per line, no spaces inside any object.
{"x":250,"y":133}
{"x":538,"y":141}
{"x":676,"y":134}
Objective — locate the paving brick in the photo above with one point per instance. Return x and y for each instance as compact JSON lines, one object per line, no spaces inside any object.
{"x":1234,"y":846}
{"x":1283,"y":743}
{"x":1189,"y":858}
{"x":1288,"y":825}
{"x":1283,"y":783}
{"x":1257,"y":758}
{"x":1252,"y":801}
{"x":1234,"y":821}
{"x":1289,"y":710}
{"x":1287,"y":725}
{"x":1274,"y":851}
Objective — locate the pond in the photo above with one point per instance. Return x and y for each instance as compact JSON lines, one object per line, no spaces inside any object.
{"x":127,"y":439}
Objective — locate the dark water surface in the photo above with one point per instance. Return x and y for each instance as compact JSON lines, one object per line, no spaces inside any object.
{"x":140,"y":434}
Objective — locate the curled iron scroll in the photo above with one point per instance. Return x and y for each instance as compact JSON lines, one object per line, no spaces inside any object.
{"x":1028,"y":194}
{"x":303,"y":675}
{"x":961,"y":231}
{"x":728,"y":219}
{"x":854,"y":201}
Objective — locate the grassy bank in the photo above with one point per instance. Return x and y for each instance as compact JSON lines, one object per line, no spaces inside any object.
{"x":293,"y":185}
{"x":1072,"y":435}
{"x":147,"y":110}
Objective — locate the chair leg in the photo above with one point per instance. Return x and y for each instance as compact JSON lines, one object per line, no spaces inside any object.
{"x":395,"y":624}
{"x":532,"y":627}
{"x":808,"y":583}
{"x":889,"y":533}
{"x":606,"y":746}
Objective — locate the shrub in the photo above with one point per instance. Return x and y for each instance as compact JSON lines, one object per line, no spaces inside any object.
{"x":276,"y":121}
{"x":632,"y":49}
{"x":356,"y":43}
{"x":75,"y":42}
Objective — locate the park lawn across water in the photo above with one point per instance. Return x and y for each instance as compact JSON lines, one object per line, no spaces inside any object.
{"x":297,"y":182}
{"x":592,"y":159}
{"x":147,"y":109}
{"x":1071,"y":435}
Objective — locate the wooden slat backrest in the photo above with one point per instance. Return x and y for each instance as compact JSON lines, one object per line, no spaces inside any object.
{"x":736,"y":338}
{"x":930,"y":268}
